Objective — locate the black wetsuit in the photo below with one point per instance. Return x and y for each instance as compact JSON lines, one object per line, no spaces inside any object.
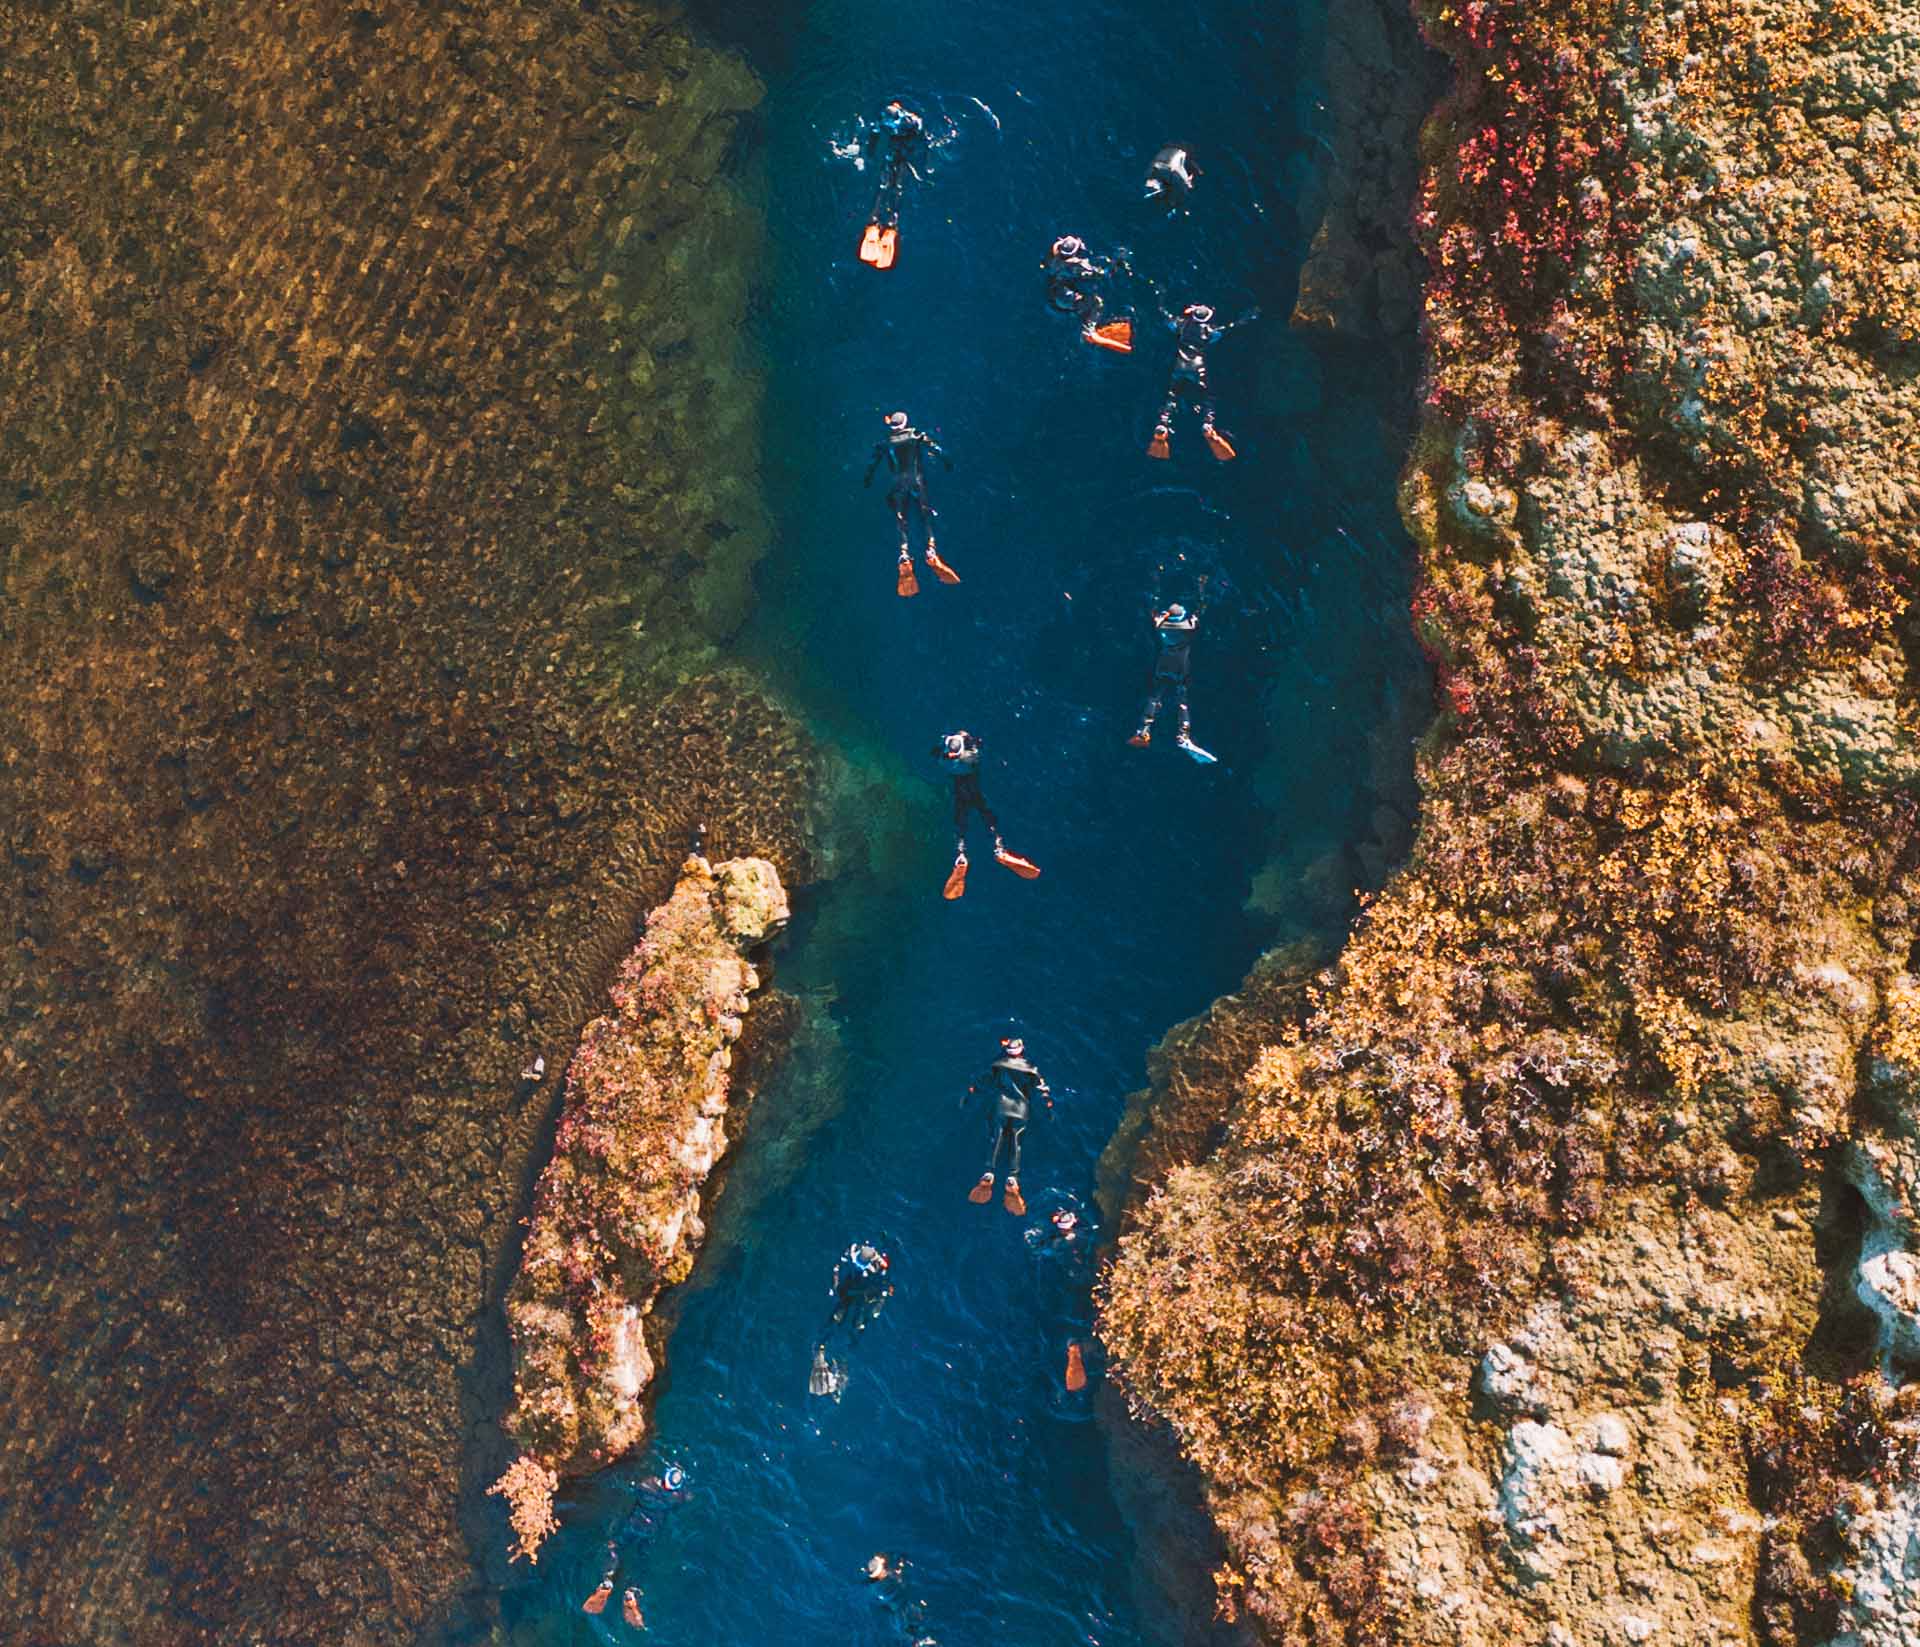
{"x":902,"y":141}
{"x":904,"y":452}
{"x":858,"y":1293}
{"x":1172,"y":668}
{"x":1013,"y":1084}
{"x":963,"y":762}
{"x":1192,"y":338}
{"x":1070,"y":286}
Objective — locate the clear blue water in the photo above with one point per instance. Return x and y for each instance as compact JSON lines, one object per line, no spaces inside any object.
{"x":956,"y":1443}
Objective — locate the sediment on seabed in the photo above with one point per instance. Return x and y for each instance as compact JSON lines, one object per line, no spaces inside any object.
{"x":363,"y":646}
{"x":1578,"y":1207}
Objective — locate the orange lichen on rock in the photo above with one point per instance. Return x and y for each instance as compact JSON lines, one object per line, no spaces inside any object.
{"x":617,"y":1214}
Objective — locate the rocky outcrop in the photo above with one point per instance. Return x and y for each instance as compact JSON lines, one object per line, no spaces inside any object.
{"x":617,"y":1216}
{"x":1361,"y":275}
{"x":359,"y":654}
{"x":1545,"y":1283}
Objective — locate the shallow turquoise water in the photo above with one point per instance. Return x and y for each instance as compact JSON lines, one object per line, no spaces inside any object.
{"x":956,"y":1443}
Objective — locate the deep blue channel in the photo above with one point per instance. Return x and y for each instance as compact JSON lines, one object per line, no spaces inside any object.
{"x":956,"y":1443}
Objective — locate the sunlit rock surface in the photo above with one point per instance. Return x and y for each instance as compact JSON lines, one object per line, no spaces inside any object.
{"x":617,"y":1214}
{"x":1553,"y":1277}
{"x":371,"y":504}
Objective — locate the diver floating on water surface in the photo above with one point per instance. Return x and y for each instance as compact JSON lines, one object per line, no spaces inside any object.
{"x":903,"y":134}
{"x":1195,"y":332}
{"x":1170,"y":177}
{"x":961,"y":753}
{"x":1012,"y":1084}
{"x":1073,"y":279}
{"x":860,"y":1285}
{"x":1174,"y":630}
{"x":904,"y":451}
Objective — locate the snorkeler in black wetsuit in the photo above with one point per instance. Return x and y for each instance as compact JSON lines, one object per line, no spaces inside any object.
{"x":904,"y":135}
{"x":1195,"y":331}
{"x":1013,"y":1084}
{"x":653,"y":1497}
{"x":1172,"y":670}
{"x":960,"y":752}
{"x":1072,"y":279}
{"x":904,"y":452}
{"x":860,"y":1285}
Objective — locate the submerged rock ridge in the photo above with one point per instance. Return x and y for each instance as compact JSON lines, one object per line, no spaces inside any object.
{"x":376,"y":495}
{"x":1555,"y":1279}
{"x":616,"y":1217}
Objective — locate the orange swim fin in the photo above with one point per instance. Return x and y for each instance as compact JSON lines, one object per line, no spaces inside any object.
{"x":1116,"y":335}
{"x":956,"y":879}
{"x":941,"y":569}
{"x":1157,"y":447}
{"x":982,"y":1192}
{"x":906,"y":583}
{"x":597,"y":1602}
{"x":889,"y":244}
{"x":1076,"y":1369}
{"x":1025,"y":868}
{"x":1218,"y":444}
{"x":630,"y":1606}
{"x":1012,"y":1199}
{"x":870,"y":244}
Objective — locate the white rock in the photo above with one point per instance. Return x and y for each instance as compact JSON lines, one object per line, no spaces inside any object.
{"x":1506,"y":1379}
{"x":1611,"y":1436}
{"x":1600,"y":1474}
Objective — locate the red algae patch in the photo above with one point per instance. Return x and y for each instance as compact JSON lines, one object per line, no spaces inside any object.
{"x":616,"y":1217}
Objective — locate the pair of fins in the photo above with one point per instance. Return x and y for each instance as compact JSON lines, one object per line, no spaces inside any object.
{"x":1011,"y":1198}
{"x":1116,"y":335}
{"x":1025,"y":868}
{"x":906,"y":585}
{"x":1206,"y":757}
{"x":878,"y":245}
{"x":1217,"y":443}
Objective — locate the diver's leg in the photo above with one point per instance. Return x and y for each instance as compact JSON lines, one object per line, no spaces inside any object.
{"x":1148,"y":711}
{"x":899,"y":498}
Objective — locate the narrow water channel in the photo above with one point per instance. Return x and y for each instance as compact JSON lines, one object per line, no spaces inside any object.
{"x":956,"y":1443}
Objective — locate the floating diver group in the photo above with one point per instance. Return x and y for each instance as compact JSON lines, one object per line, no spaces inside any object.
{"x":1075,"y":286}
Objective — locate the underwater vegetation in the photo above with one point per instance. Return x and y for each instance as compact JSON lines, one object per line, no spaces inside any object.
{"x":361,"y":645}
